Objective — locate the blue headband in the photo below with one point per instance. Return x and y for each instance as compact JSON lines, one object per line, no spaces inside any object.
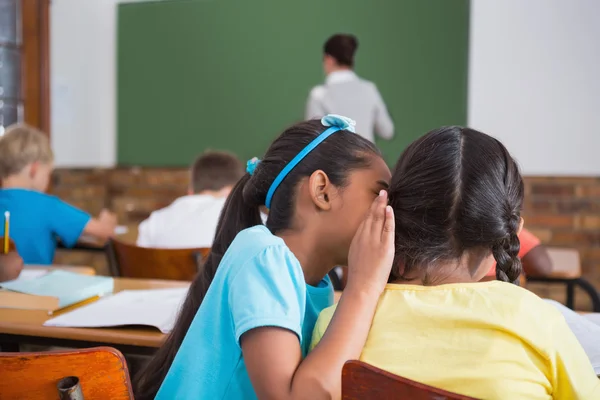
{"x":335,"y":123}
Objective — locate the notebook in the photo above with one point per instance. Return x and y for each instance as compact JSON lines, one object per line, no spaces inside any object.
{"x":586,"y":329}
{"x":157,"y":308}
{"x":53,"y":291}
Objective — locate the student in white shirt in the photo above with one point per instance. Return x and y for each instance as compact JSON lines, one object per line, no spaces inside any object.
{"x":347,"y":94}
{"x":191,"y":221}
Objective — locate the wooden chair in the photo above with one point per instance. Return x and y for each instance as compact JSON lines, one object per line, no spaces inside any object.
{"x":361,"y":381}
{"x":566,"y":269}
{"x":130,"y":261}
{"x":102,"y":374}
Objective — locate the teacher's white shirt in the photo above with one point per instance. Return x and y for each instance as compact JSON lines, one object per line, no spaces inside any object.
{"x":346,"y":94}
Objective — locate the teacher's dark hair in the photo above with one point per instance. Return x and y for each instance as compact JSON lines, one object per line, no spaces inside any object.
{"x":337,"y":156}
{"x":342,"y":47}
{"x":456,"y":190}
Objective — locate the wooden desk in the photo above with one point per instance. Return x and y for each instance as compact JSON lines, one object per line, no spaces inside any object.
{"x":92,"y":244}
{"x":69,"y":268}
{"x":25,"y":326}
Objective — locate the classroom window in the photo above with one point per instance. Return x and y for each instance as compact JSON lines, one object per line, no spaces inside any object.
{"x":11,"y":97}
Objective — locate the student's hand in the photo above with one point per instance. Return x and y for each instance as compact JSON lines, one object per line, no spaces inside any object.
{"x":102,"y":227}
{"x":109,"y":221}
{"x":11,"y":265}
{"x":108,"y":218}
{"x":372,"y":250}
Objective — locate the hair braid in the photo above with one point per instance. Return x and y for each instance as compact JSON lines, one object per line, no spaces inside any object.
{"x":506,"y":253}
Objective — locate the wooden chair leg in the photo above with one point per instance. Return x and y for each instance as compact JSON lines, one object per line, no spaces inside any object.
{"x":111,"y":258}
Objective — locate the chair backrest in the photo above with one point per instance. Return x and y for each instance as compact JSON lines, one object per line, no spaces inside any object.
{"x":363,"y":381}
{"x":566,"y":263}
{"x":131,"y":261}
{"x":11,"y":244}
{"x":102,"y":373}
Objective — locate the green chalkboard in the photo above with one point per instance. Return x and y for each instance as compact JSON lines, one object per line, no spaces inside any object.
{"x":231,"y":74}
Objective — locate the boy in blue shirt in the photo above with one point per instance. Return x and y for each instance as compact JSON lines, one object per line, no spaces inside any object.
{"x":37,"y":219}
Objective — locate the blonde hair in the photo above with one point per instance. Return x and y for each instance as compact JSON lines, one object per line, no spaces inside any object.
{"x":20,"y":146}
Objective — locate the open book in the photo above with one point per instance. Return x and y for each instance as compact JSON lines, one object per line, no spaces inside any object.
{"x":156,"y":307}
{"x":586,"y":329}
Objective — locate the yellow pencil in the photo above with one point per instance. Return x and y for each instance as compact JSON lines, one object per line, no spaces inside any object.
{"x":6,"y":230}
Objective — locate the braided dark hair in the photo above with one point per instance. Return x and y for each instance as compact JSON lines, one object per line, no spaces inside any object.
{"x":506,"y":253}
{"x":456,"y":190}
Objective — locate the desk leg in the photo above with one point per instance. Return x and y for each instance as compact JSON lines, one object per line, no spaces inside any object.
{"x":9,"y":347}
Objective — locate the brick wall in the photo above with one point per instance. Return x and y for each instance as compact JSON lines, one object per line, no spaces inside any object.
{"x":565,"y":212}
{"x":561,"y":211}
{"x":132,"y":193}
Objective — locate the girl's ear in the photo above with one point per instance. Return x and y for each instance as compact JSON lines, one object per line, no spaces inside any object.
{"x":321,"y":190}
{"x":521,"y":223}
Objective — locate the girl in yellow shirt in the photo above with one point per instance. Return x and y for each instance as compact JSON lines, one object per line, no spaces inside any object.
{"x":457,"y":196}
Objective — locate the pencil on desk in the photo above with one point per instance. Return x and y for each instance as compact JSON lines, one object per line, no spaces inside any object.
{"x":6,"y":231}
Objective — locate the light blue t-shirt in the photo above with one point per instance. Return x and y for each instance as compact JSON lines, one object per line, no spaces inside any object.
{"x":37,"y":220}
{"x":259,"y":282}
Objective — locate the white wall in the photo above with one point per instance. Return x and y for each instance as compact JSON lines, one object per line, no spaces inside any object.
{"x":534,"y":81}
{"x":82,"y":69}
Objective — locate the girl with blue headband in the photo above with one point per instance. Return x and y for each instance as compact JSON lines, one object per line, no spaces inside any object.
{"x":244,"y":329}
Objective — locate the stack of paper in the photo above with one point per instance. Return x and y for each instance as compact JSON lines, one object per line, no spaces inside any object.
{"x":53,"y":291}
{"x":157,"y":308}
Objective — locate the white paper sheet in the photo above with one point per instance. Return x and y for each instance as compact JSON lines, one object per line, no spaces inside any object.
{"x":121,"y":230}
{"x":157,"y":308}
{"x":586,"y":329}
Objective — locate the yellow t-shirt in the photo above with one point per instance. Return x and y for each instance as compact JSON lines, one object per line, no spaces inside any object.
{"x":490,"y":340}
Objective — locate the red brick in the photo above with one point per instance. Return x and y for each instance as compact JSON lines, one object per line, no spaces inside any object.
{"x":81,"y":192}
{"x":575,"y":205}
{"x":562,"y":179}
{"x":82,"y":176}
{"x":553,"y":190}
{"x":591,"y":253}
{"x":592,"y":191}
{"x":549,"y":221}
{"x":152,"y":177}
{"x":146,"y":191}
{"x":541,"y":206}
{"x":576,"y":238}
{"x":545,"y":235}
{"x":590,"y":222}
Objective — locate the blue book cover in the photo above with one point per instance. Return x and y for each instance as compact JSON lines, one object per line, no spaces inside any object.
{"x":68,"y":287}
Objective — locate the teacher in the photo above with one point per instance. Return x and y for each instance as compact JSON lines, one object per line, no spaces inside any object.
{"x":347,"y":94}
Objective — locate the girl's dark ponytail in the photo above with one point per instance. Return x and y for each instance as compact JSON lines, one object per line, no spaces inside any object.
{"x":237,"y":215}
